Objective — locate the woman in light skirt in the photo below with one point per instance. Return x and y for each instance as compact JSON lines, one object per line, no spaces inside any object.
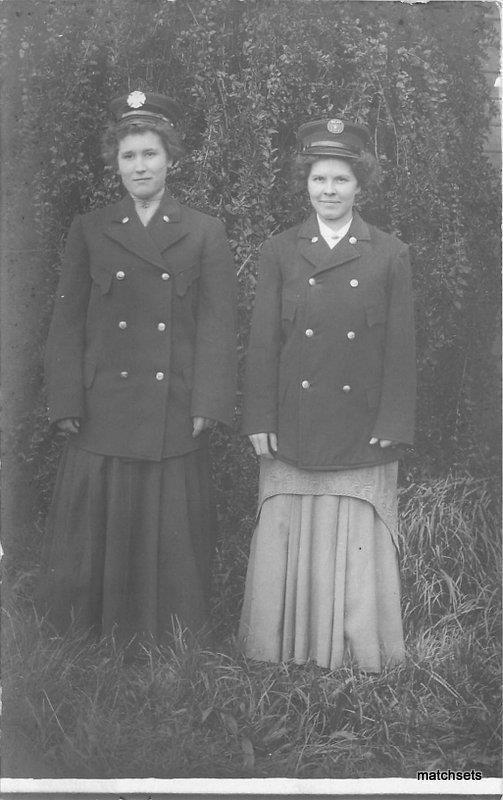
{"x":329,"y":409}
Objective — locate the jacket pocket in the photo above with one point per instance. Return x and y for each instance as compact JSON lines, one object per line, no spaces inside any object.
{"x":373,"y":395}
{"x":375,"y":314}
{"x":89,"y":372}
{"x":288,"y":311}
{"x":288,"y":306}
{"x":283,"y":391}
{"x":185,"y":278}
{"x":188,"y":376}
{"x":103,"y":280}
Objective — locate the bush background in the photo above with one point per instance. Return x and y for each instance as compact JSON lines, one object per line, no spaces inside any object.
{"x":247,"y":73}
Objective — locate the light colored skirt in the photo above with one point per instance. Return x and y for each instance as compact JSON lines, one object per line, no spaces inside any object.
{"x":323,"y":581}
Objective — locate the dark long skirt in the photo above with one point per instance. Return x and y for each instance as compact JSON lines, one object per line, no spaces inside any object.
{"x":129,"y":544}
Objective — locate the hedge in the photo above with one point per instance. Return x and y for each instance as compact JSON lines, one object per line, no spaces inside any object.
{"x":246,"y":74}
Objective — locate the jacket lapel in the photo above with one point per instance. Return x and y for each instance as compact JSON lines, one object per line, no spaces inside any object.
{"x":147,"y":243}
{"x":315,"y":250}
{"x":168,"y":226}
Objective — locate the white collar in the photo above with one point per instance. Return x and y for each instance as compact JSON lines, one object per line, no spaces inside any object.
{"x":333,"y":237}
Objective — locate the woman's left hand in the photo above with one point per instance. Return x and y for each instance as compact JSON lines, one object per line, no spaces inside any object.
{"x":200,"y":424}
{"x":382,"y":442}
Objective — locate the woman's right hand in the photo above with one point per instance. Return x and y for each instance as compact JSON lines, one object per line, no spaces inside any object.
{"x":70,"y":425}
{"x":264,"y":444}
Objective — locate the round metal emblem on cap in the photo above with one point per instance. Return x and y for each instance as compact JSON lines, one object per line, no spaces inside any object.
{"x":335,"y":125}
{"x":136,"y":99}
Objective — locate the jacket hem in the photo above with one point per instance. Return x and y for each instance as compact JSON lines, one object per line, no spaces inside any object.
{"x":393,"y":456}
{"x":198,"y":445}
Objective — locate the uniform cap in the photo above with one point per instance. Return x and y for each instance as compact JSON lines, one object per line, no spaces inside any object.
{"x":137,"y":104}
{"x":332,"y":138}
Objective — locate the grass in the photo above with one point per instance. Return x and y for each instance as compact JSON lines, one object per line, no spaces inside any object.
{"x":187,"y":712}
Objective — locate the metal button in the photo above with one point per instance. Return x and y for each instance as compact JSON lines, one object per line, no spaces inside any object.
{"x":346,"y":388}
{"x":122,"y":324}
{"x":124,"y":220}
{"x":309,"y":332}
{"x":314,"y":239}
{"x":161,"y":326}
{"x":159,"y":376}
{"x":166,"y":218}
{"x":353,"y":282}
{"x":351,"y":335}
{"x":312,"y":281}
{"x":352,"y":240}
{"x":124,"y":374}
{"x":120,"y":275}
{"x":165,"y":276}
{"x":305,"y":384}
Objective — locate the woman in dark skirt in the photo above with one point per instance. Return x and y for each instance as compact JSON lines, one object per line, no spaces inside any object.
{"x":140,"y":363}
{"x":329,"y":407}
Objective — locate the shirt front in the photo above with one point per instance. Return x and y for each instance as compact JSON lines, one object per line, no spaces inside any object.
{"x":332,"y":237}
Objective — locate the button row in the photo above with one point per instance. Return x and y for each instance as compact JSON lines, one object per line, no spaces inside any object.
{"x":350,"y":334}
{"x":307,"y":385}
{"x":159,"y":376}
{"x":161,"y":326}
{"x":351,"y":240}
{"x":124,"y":220}
{"x":353,"y":282}
{"x":120,"y":275}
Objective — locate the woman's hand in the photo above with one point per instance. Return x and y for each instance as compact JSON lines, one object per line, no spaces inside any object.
{"x":264,"y":444}
{"x":69,"y":425}
{"x":200,"y":424}
{"x":382,"y":442}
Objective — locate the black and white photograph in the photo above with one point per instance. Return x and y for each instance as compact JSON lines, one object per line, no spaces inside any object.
{"x":251,"y":399}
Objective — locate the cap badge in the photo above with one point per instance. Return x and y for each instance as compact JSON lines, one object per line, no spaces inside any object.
{"x":136,"y":99}
{"x":334,"y":125}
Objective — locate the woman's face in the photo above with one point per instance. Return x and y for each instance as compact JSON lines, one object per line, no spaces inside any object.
{"x":332,"y":188}
{"x":143,"y":163}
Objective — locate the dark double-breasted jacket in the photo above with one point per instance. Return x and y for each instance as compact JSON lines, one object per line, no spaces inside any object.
{"x":143,"y":332}
{"x":331,"y":361}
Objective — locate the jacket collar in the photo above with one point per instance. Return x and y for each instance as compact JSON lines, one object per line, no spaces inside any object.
{"x":314,"y":249}
{"x":166,"y":227}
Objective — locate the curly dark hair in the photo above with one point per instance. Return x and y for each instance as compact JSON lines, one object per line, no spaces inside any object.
{"x":365,"y":168}
{"x":117,"y":131}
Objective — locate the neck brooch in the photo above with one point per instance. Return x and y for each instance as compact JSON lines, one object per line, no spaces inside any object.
{"x":148,"y":202}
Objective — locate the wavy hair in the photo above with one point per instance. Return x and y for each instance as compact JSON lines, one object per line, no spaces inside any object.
{"x":117,"y":131}
{"x":365,"y":168}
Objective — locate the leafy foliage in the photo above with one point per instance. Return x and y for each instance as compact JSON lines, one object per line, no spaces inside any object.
{"x":247,"y":74}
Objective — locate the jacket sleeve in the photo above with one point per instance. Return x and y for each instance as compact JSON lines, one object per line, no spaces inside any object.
{"x":395,"y":419}
{"x":260,"y":407}
{"x":66,"y":340}
{"x":215,"y":364}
